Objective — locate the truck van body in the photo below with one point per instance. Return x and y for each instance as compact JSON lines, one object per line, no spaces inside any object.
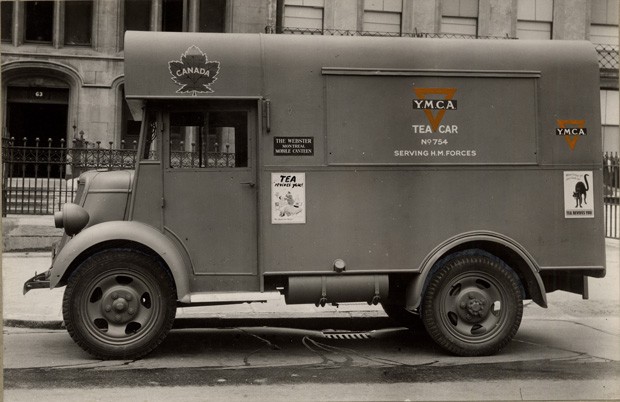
{"x":447,"y":180}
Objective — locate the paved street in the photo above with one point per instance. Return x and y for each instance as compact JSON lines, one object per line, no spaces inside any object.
{"x":570,"y":351}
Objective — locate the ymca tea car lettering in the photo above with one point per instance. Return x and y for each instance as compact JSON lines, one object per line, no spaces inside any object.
{"x":308,"y":180}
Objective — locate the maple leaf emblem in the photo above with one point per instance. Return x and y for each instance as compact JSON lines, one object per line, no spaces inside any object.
{"x":194,"y":73}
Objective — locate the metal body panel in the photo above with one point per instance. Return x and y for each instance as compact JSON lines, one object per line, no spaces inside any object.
{"x":147,"y":194}
{"x":144,"y":53}
{"x":390,"y":219}
{"x":382,"y":213}
{"x":131,"y":232}
{"x":105,"y":195}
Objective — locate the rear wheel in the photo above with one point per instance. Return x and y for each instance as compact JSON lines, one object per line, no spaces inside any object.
{"x":473,"y":305}
{"x":119,"y":304}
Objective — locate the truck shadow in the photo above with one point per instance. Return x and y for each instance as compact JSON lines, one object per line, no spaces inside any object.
{"x":295,"y":342}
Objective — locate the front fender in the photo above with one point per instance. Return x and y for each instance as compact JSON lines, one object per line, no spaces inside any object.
{"x":87,"y":241}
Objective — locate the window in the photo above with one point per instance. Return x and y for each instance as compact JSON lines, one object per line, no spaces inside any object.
{"x":137,"y":15}
{"x":604,"y":34}
{"x":604,"y":12}
{"x":460,"y":17}
{"x":604,"y":19}
{"x":39,"y":21}
{"x":6,"y":24}
{"x":383,"y":16}
{"x":173,"y":16}
{"x":208,"y":140}
{"x":303,"y":15}
{"x":459,"y":26}
{"x":211,"y":18}
{"x":78,"y":22}
{"x":534,"y":19}
{"x":176,"y":15}
{"x":610,"y":120}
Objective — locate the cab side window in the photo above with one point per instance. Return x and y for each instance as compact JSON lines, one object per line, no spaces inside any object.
{"x":214,"y":139}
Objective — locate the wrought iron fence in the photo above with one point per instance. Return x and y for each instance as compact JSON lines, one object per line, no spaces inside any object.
{"x":611,"y":193}
{"x":194,"y":158}
{"x":607,"y":54}
{"x":188,"y":159}
{"x":415,"y":34}
{"x":607,"y":57}
{"x":38,"y":177}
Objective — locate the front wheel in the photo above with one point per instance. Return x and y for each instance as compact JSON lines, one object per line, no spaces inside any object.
{"x":119,"y":304}
{"x":473,"y":305}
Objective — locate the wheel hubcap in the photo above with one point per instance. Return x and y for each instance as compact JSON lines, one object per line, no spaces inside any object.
{"x":121,"y":308}
{"x":471,"y":307}
{"x":474,"y":306}
{"x":120,"y":304}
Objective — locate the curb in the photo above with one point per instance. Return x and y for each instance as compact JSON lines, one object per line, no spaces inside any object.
{"x":33,"y":324}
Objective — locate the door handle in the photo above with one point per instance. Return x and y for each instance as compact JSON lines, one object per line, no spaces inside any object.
{"x":249,"y":183}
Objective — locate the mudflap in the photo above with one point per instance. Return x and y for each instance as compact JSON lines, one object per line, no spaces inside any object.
{"x":573,"y":282}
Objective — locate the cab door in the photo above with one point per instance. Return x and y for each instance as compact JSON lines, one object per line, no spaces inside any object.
{"x":210,"y":188}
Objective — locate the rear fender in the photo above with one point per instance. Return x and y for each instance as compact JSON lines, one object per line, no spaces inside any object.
{"x":103,"y":235}
{"x":493,"y":243}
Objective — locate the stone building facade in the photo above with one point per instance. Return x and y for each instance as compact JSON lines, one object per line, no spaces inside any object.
{"x":62,"y":61}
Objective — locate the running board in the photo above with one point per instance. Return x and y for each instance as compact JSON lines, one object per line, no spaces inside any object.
{"x":233,"y":297}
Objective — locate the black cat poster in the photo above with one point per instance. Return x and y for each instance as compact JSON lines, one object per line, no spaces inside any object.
{"x":578,"y":202}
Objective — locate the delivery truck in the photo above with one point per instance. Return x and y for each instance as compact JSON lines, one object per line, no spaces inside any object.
{"x":447,"y":180}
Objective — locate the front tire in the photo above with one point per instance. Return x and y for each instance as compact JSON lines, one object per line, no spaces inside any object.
{"x":473,"y":305}
{"x":119,"y":304}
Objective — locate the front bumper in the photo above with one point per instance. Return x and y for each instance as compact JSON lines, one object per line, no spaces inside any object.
{"x":38,"y":281}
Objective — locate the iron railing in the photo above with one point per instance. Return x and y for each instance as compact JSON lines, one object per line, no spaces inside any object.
{"x":611,"y":194}
{"x":415,"y":34}
{"x":38,"y":178}
{"x":204,"y":159}
{"x":607,"y":54}
{"x":607,"y":57}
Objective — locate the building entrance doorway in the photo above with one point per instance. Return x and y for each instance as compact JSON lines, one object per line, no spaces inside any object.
{"x":37,"y":120}
{"x":37,"y":113}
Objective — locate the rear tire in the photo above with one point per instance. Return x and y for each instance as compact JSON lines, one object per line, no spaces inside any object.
{"x":473,"y":305}
{"x":119,"y":304}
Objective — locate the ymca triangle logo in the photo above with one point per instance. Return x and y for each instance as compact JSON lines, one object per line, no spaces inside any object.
{"x":571,"y":134}
{"x":428,"y":105}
